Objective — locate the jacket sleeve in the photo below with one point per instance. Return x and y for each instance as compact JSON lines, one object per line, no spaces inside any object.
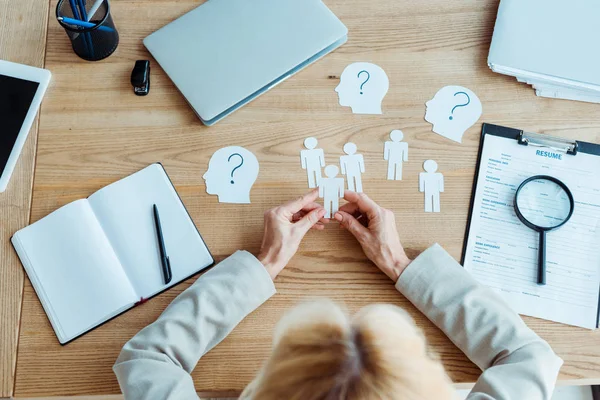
{"x":516,"y":363}
{"x":157,"y":362}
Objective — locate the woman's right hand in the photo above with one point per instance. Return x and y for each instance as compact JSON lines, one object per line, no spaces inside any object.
{"x":375,"y":229}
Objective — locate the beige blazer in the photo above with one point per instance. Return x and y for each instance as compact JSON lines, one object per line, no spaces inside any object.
{"x":516,"y":363}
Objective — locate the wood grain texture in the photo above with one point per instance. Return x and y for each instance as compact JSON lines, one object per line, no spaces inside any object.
{"x":95,"y":131}
{"x":22,"y":40}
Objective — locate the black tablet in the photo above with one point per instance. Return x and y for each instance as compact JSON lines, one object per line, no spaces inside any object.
{"x":21,"y":91}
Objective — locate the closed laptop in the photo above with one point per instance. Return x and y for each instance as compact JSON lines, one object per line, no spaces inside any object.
{"x":225,"y":53}
{"x":549,"y":42}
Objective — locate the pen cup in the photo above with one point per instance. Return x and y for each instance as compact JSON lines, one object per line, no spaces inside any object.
{"x":89,"y":26}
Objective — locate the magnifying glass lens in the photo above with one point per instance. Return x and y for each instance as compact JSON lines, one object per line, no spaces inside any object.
{"x":544,"y":203}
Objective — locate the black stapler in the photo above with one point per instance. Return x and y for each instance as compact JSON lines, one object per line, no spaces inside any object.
{"x":140,"y":77}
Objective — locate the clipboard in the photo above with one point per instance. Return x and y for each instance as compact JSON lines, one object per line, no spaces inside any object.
{"x":545,"y":145}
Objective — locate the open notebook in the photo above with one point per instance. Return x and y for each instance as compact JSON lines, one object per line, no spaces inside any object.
{"x":95,"y":258}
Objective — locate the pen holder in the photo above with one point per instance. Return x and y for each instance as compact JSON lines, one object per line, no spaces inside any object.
{"x":89,"y":26}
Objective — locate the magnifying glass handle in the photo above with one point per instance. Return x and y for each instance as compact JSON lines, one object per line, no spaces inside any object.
{"x":542,"y":259}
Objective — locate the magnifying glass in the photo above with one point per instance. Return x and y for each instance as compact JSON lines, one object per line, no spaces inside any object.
{"x":543,"y":203}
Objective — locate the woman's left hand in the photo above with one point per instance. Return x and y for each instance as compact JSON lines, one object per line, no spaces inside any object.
{"x":285,"y":227}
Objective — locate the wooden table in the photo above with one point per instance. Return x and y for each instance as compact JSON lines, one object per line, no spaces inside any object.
{"x":93,"y":131}
{"x":22,"y":40}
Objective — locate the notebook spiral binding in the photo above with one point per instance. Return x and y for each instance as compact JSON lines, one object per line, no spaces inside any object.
{"x":552,"y":142}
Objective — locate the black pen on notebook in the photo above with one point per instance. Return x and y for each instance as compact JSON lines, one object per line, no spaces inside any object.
{"x":164,"y":259}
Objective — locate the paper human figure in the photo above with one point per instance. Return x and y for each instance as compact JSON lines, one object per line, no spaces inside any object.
{"x":353,"y":166}
{"x":452,"y":111}
{"x":395,"y":153}
{"x":362,"y":88}
{"x":313,"y":160}
{"x":231,"y":173}
{"x":431,"y":183}
{"x":331,"y":190}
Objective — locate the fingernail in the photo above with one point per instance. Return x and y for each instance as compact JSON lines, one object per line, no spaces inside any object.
{"x":338,"y":217}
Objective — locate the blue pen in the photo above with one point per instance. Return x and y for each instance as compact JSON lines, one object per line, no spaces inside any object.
{"x":76,"y":14}
{"x":81,"y":4}
{"x":83,"y":24}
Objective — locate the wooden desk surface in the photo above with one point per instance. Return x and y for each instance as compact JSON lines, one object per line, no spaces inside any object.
{"x":22,"y":40}
{"x":93,"y":131}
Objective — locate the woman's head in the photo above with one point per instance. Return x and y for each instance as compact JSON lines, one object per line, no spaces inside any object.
{"x":322,"y":354}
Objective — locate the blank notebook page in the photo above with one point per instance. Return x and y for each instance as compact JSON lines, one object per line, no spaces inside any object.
{"x":124,"y":209}
{"x":73,"y":269}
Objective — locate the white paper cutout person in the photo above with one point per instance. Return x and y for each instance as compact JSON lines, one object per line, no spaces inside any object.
{"x":432,"y":184}
{"x":313,"y":160}
{"x":452,"y":111}
{"x":231,"y":173}
{"x":395,"y":153}
{"x":362,"y":87}
{"x":331,"y":190}
{"x":353,"y":165}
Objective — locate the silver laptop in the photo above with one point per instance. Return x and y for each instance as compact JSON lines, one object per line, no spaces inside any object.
{"x":226,"y":53}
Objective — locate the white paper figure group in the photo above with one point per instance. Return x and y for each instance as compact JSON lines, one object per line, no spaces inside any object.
{"x":395,"y":152}
{"x":352,"y":165}
{"x":331,"y":188}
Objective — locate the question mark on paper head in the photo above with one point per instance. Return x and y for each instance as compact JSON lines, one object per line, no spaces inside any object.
{"x":368,"y":77}
{"x":238,"y":166}
{"x":460,"y":105}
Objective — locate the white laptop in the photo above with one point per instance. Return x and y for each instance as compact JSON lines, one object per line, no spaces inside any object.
{"x":226,"y":53}
{"x":551,"y":44}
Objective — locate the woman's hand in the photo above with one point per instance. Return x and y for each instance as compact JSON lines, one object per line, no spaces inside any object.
{"x":375,"y":229}
{"x":285,"y":227}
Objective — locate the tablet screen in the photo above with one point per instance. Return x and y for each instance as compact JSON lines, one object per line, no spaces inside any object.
{"x":16,"y":96}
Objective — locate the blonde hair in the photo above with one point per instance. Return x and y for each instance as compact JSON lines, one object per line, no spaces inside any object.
{"x":321,"y":354}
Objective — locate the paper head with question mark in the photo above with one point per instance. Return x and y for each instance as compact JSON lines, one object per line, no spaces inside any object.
{"x":452,"y":111}
{"x":231,"y":173}
{"x":362,"y":87}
